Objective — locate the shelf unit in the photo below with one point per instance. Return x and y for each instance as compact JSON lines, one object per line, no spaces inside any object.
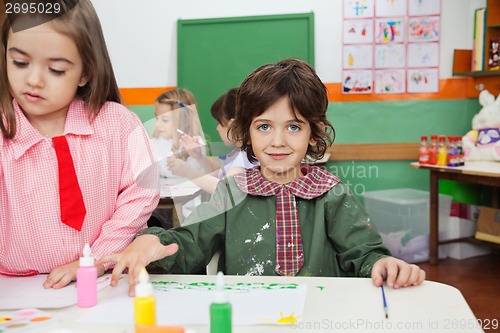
{"x":462,"y":59}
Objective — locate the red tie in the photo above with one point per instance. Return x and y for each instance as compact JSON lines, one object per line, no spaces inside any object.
{"x":70,"y":196}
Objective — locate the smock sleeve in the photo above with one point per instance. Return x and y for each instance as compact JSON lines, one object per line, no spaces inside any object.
{"x":352,"y":233}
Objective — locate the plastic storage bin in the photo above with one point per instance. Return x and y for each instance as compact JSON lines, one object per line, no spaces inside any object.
{"x":402,"y":218}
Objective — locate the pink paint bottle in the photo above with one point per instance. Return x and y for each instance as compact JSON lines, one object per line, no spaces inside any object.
{"x":86,"y":280}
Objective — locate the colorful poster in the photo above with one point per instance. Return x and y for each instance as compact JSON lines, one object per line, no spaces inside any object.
{"x":423,"y":29}
{"x":425,"y":80}
{"x":390,"y":46}
{"x":423,"y":55}
{"x":358,"y":31}
{"x":358,"y":56}
{"x":424,"y":7}
{"x":389,"y":30}
{"x":358,"y":8}
{"x":357,"y":82}
{"x":390,"y":56}
{"x":390,"y":81}
{"x":387,"y":8}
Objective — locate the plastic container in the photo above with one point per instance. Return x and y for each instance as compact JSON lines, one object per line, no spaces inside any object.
{"x":220,"y":309}
{"x":402,"y":218}
{"x":144,"y":301}
{"x":86,"y":280}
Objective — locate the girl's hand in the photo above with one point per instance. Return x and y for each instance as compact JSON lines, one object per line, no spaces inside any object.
{"x":192,"y":146}
{"x":61,"y":276}
{"x":398,"y":273}
{"x":179,"y":167}
{"x":142,"y":251}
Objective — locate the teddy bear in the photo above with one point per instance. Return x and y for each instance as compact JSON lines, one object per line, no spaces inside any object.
{"x":483,"y":142}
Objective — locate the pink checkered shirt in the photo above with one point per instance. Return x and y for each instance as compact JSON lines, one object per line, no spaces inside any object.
{"x":116,"y":172}
{"x":315,"y":182}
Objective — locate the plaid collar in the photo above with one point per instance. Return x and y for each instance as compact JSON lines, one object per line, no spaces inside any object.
{"x":315,"y":182}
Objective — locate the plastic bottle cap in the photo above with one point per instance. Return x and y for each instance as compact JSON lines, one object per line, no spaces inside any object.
{"x":87,"y":260}
{"x":143,"y":288}
{"x":220,"y":295}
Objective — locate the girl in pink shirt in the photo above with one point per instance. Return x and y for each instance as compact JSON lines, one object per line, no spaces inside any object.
{"x":76,"y":166}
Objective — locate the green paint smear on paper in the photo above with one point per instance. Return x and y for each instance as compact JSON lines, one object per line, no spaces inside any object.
{"x":208,"y":286}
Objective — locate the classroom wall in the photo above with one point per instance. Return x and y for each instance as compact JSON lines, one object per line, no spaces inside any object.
{"x":142,"y":42}
{"x":141,"y":36}
{"x":399,"y":121}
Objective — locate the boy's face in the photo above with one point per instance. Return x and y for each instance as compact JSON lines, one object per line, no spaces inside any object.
{"x":280,"y":142}
{"x":164,"y":120}
{"x":223,"y":129}
{"x":44,"y":70}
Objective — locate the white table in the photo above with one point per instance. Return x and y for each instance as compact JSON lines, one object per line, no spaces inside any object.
{"x":332,"y":305}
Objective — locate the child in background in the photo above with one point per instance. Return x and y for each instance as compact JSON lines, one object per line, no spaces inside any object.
{"x":284,"y":217}
{"x":76,"y":166}
{"x":223,"y":110}
{"x":173,"y":111}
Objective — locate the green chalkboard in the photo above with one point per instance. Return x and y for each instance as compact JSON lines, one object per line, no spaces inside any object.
{"x":215,"y":55}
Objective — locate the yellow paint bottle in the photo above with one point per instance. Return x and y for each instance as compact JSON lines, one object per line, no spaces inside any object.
{"x":144,"y":302}
{"x":442,"y":151}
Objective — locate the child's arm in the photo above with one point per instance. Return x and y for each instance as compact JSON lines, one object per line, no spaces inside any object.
{"x":196,"y":148}
{"x":137,"y":197}
{"x":207,"y":182}
{"x":361,"y":250}
{"x":140,"y":253}
{"x":139,"y":191}
{"x":397,"y":272}
{"x":179,"y":250}
{"x":352,"y":233}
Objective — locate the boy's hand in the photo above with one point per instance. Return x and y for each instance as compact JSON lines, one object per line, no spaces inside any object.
{"x":142,"y":251}
{"x":398,"y":273}
{"x":61,"y":276}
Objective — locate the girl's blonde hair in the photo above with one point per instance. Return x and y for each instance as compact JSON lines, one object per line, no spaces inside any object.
{"x":81,"y":23}
{"x":184,"y":118}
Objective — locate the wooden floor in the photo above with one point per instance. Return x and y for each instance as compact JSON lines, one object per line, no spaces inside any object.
{"x":477,"y":278}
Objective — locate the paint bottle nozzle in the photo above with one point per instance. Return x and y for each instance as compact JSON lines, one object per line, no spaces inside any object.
{"x":87,"y":260}
{"x":220,"y":295}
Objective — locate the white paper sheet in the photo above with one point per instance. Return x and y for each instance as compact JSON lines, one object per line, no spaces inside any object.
{"x":177,"y":187}
{"x":28,"y":292}
{"x":188,"y":304}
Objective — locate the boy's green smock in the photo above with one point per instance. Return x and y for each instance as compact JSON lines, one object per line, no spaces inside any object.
{"x":338,"y":237}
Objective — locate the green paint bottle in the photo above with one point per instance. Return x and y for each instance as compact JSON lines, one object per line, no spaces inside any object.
{"x":220,"y":309}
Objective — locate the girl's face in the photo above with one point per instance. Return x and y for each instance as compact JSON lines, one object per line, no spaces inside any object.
{"x":280,"y":142}
{"x":223,"y":129}
{"x":44,"y":69}
{"x":164,"y":124}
